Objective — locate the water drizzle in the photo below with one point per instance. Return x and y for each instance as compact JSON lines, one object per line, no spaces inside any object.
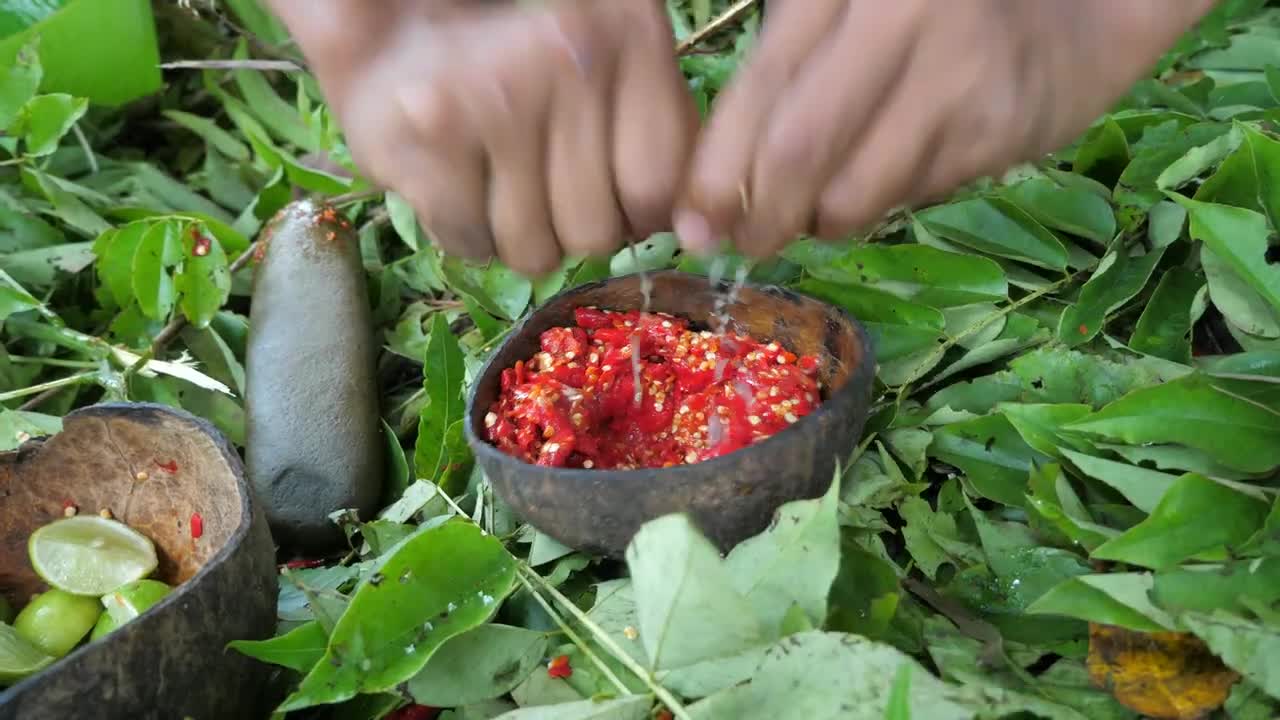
{"x":646,"y":292}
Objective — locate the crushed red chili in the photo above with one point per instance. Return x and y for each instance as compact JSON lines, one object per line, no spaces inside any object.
{"x":702,"y":394}
{"x":197,"y":526}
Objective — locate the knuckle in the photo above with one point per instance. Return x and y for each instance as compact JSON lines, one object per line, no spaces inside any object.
{"x":428,"y":109}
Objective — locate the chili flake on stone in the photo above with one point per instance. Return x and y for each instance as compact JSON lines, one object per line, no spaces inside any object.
{"x":702,"y":395}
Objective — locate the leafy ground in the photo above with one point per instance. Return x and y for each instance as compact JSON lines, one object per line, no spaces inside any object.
{"x":1064,"y":505}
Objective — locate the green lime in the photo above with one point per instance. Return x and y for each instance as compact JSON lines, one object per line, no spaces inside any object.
{"x":18,"y":657}
{"x":56,"y":621}
{"x":106,"y":625}
{"x":90,"y":555}
{"x":6,"y":611}
{"x":128,"y":602}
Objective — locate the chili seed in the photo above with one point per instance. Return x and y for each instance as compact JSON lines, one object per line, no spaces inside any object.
{"x":790,"y":418}
{"x":69,"y":511}
{"x":490,"y":419}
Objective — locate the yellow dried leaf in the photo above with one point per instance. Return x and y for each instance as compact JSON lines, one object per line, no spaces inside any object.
{"x":1163,"y":675}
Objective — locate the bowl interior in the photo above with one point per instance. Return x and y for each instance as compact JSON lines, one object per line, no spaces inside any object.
{"x":149,"y":467}
{"x":802,"y":324}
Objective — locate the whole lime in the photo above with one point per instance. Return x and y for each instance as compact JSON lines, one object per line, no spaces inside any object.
{"x":56,"y":621}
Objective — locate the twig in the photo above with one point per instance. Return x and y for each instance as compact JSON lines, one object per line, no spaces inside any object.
{"x":88,"y":151}
{"x":263,"y":65}
{"x":353,"y":197}
{"x":724,"y":19}
{"x":40,"y":399}
{"x":176,"y":325}
{"x":46,"y":386}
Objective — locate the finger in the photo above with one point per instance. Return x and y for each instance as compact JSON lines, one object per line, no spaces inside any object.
{"x":818,"y":119}
{"x":712,"y":202}
{"x":887,"y":162}
{"x":584,"y":206}
{"x":440,"y":170}
{"x":654,"y":120}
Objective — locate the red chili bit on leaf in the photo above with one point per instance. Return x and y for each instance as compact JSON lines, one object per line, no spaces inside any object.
{"x":170,"y":466}
{"x":559,"y":667}
{"x":414,"y":712}
{"x":197,"y":526}
{"x":303,"y":564}
{"x":664,"y":714}
{"x":202,"y":246}
{"x":1084,"y":329}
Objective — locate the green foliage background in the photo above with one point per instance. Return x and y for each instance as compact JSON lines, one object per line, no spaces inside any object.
{"x":1077,"y":416}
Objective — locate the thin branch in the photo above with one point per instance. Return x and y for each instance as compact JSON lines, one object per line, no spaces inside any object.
{"x":262,"y":65}
{"x":720,"y":22}
{"x":46,"y":386}
{"x":41,"y":399}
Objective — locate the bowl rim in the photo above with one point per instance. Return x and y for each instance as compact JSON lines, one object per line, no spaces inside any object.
{"x":861,"y":380}
{"x":179,"y":593}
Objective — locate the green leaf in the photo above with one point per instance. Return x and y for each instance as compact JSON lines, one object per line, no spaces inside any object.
{"x":1040,"y":424}
{"x":1053,"y":498}
{"x":1164,"y":328}
{"x":1140,"y":486}
{"x":897,"y":327}
{"x":1197,"y":160}
{"x":1247,"y":647}
{"x":405,"y":221}
{"x":792,"y":563}
{"x":159,"y":250}
{"x":1205,"y":588}
{"x":918,"y":273}
{"x":106,"y":52}
{"x":546,"y":549}
{"x":993,"y":456}
{"x":1190,"y":411}
{"x":18,"y":84}
{"x":478,"y":665}
{"x":46,"y":119}
{"x":1239,"y":238}
{"x":442,"y":369}
{"x":634,"y":707}
{"x":932,"y":538}
{"x":831,"y":675}
{"x":510,"y":291}
{"x":1117,"y":280}
{"x":1071,"y":210}
{"x":279,"y":116}
{"x":221,"y":140}
{"x":997,"y":227}
{"x":299,"y":649}
{"x":1231,"y":293}
{"x":1112,"y":599}
{"x":436,"y":584}
{"x":42,"y":268}
{"x":688,"y":608}
{"x":654,"y":253}
{"x":14,"y":424}
{"x":1179,"y":527}
{"x":204,"y":280}
{"x":1104,"y":152}
{"x":115,"y":260}
{"x":398,"y":478}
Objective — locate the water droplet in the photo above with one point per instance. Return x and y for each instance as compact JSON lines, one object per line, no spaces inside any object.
{"x":486,"y":599}
{"x":428,"y":626}
{"x":452,"y":606}
{"x":366,"y":664}
{"x":405,"y":576}
{"x":409,"y":649}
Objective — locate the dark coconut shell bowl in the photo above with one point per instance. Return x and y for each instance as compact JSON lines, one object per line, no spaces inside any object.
{"x":731,"y":497}
{"x":171,"y":661}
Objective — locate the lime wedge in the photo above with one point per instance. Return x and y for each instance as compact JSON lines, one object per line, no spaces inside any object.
{"x":90,"y":555}
{"x":18,"y":658}
{"x":129,"y":601}
{"x":56,"y":621}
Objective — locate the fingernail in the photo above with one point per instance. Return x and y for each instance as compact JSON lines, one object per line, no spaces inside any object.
{"x":694,"y":232}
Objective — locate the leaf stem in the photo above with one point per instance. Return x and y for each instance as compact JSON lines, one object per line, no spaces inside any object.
{"x":618,"y":653}
{"x":568,"y":631}
{"x":53,"y":362}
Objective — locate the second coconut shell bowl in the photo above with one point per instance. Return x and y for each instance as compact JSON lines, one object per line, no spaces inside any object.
{"x":732,"y":497}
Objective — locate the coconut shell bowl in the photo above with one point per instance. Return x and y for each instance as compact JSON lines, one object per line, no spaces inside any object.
{"x":731,"y":497}
{"x":175,"y":479}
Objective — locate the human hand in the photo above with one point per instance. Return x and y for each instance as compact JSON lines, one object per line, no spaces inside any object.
{"x":517,"y":131}
{"x":848,"y":108}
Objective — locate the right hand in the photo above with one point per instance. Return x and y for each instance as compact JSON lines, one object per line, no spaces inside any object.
{"x":528,"y":133}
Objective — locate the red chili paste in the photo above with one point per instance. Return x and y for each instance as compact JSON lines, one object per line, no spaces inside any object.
{"x":573,"y":404}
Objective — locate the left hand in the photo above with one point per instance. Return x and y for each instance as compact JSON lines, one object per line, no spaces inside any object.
{"x":848,"y":108}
